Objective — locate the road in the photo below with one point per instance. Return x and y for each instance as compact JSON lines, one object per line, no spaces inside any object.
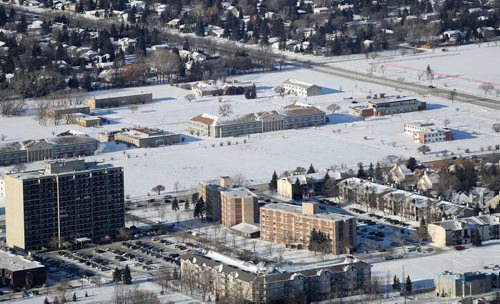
{"x":489,"y":102}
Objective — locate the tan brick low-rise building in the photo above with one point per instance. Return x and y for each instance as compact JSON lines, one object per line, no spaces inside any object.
{"x":292,"y":225}
{"x":238,"y":205}
{"x":117,"y":101}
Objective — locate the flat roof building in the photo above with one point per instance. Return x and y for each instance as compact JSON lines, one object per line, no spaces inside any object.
{"x":18,"y":272}
{"x":65,"y":201}
{"x":117,"y":101}
{"x":238,"y":205}
{"x":293,"y":225}
{"x":425,"y":132}
{"x":147,"y":137}
{"x":463,"y":284}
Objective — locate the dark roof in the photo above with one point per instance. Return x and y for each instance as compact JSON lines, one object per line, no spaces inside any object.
{"x":72,"y":139}
{"x":10,"y":147}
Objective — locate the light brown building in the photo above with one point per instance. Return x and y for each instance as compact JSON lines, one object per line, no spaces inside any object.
{"x":111,"y":102}
{"x":85,"y":120}
{"x":292,"y":225}
{"x":238,"y":205}
{"x":147,"y":137}
{"x":69,"y":200}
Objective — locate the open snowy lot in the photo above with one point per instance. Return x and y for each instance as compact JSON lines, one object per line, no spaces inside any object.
{"x":422,"y":269}
{"x":345,"y":140}
{"x":464,"y":68}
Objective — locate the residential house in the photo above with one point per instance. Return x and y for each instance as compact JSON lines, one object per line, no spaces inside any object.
{"x":310,"y":185}
{"x":460,"y":231}
{"x":402,"y":176}
{"x":428,"y":182}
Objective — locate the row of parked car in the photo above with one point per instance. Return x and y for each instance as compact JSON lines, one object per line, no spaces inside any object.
{"x":87,"y":260}
{"x":154,"y":251}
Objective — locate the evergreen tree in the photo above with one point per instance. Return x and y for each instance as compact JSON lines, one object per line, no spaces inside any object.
{"x":187,"y":205}
{"x":127,"y":276}
{"x":22,"y":26}
{"x":396,"y":285}
{"x":378,"y":172}
{"x":297,"y":190}
{"x":74,"y":297}
{"x":408,"y":285}
{"x":326,"y":178}
{"x":371,"y":171}
{"x":9,"y":66}
{"x":199,"y":29}
{"x":186,"y":46}
{"x":3,"y":16}
{"x":46,"y":301}
{"x":311,"y":169}
{"x":477,"y":209}
{"x":361,"y":172}
{"x":199,"y":208}
{"x":476,"y":238}
{"x":273,"y":184}
{"x":175,"y":204}
{"x":86,"y":294}
{"x":411,"y":163}
{"x":117,"y":275}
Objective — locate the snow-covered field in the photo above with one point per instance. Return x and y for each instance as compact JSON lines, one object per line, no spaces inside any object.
{"x":464,"y":68}
{"x":422,"y":269}
{"x":345,"y":140}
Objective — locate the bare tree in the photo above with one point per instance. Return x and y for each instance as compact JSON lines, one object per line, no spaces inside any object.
{"x":3,"y":137}
{"x":133,"y":108}
{"x":189,"y":97}
{"x":158,"y":189}
{"x":424,"y":149}
{"x":165,"y":63}
{"x":225,"y":110}
{"x":446,"y":122}
{"x":486,"y":87}
{"x":269,"y":249}
{"x":333,"y":108}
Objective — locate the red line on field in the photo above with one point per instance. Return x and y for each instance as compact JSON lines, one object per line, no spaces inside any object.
{"x":441,"y":74}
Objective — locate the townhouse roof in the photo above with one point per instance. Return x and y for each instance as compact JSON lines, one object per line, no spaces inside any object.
{"x":260,"y":273}
{"x":303,"y":178}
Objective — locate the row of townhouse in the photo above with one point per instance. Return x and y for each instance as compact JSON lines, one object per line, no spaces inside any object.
{"x":67,"y":144}
{"x":392,"y":201}
{"x":290,"y":117}
{"x":239,"y":281}
{"x":461,"y":231}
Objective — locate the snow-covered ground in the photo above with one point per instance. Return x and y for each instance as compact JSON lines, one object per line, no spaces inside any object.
{"x":464,"y":68}
{"x":422,"y":269}
{"x":105,"y":294}
{"x":345,"y":140}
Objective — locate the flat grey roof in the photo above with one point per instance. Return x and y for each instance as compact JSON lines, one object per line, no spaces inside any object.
{"x":16,"y":262}
{"x":298,"y":210}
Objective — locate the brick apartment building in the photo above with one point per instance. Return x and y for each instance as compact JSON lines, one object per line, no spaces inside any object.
{"x":425,"y":133}
{"x":292,"y":225}
{"x":66,"y":201}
